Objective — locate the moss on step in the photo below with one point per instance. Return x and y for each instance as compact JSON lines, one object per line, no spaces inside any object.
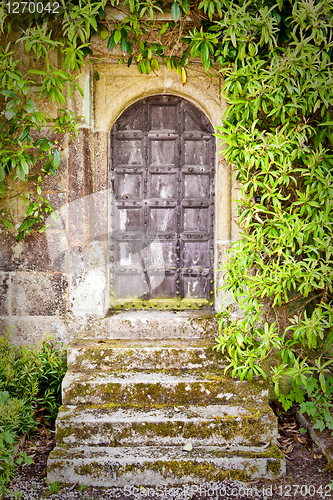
{"x":212,"y":388}
{"x":106,"y":357}
{"x":245,"y":429}
{"x":194,"y":468}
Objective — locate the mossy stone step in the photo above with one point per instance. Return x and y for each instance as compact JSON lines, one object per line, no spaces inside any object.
{"x":115,"y":355}
{"x":158,"y":466}
{"x":141,"y":385}
{"x":149,"y":325}
{"x":206,"y":425}
{"x":159,"y":388}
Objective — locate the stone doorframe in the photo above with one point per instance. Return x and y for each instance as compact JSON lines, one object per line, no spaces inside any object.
{"x":59,"y":279}
{"x":116,"y":89}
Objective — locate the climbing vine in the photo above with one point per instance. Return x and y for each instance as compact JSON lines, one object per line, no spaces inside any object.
{"x":276,"y":59}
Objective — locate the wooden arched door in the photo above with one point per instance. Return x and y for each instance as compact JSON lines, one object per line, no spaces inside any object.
{"x":162,"y":172}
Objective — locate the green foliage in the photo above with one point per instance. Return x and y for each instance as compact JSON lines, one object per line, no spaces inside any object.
{"x":211,"y":31}
{"x":278,"y":133}
{"x":81,"y":487}
{"x":33,"y":375}
{"x":54,"y":487}
{"x":22,"y":159}
{"x":7,"y":464}
{"x":53,"y":365}
{"x":9,"y":458}
{"x":29,"y":376}
{"x":16,"y":415}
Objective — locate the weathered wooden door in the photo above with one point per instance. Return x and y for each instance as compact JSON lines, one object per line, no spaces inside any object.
{"x":162,"y":157}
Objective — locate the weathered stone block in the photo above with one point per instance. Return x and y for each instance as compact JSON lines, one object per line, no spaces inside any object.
{"x":31,"y":329}
{"x":80,"y":178}
{"x":38,"y":294}
{"x":113,"y":355}
{"x":164,"y":465}
{"x":129,"y":389}
{"x":43,"y":252}
{"x":168,"y":426}
{"x":4,"y":294}
{"x":7,"y":250}
{"x":150,"y":325}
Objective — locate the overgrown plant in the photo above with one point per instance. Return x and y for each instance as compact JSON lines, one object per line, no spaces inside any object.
{"x":23,"y":159}
{"x":33,"y":374}
{"x":30,"y":379}
{"x":278,"y":135}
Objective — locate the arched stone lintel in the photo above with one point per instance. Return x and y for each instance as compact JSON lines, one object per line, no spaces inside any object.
{"x":115,"y":92}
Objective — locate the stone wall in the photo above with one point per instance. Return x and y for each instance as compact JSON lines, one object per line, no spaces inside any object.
{"x":51,"y":280}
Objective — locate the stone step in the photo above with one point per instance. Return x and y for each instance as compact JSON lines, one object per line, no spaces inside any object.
{"x":122,"y":466}
{"x":149,"y":325}
{"x":141,"y":389}
{"x":117,"y":355}
{"x":205,"y":425}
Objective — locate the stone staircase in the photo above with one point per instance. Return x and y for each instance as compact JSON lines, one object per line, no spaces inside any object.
{"x":141,"y":387}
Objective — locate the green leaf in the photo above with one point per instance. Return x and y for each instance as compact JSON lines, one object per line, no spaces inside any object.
{"x":24,"y":134}
{"x":7,"y":223}
{"x":10,"y":113}
{"x":111,"y":42}
{"x":164,"y":28}
{"x":56,"y":158}
{"x":103,"y":31}
{"x":26,"y":223}
{"x":117,"y":36}
{"x":30,"y":209}
{"x":25,"y":166}
{"x":175,"y":10}
{"x":123,"y":45}
{"x":319,"y":424}
{"x":204,"y":52}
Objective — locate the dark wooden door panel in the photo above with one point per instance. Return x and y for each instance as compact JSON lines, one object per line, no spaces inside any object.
{"x":162,"y":156}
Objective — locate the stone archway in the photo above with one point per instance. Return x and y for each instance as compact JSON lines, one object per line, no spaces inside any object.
{"x":120,"y":87}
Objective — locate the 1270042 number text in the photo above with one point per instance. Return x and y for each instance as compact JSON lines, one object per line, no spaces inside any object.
{"x":305,"y":490}
{"x":32,"y":7}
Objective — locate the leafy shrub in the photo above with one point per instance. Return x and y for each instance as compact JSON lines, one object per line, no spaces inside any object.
{"x":279,"y":141}
{"x":29,"y":377}
{"x":33,"y":374}
{"x":53,"y":363}
{"x":16,"y":415}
